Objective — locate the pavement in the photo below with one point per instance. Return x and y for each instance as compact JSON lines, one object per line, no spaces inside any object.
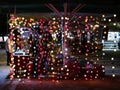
{"x":49,"y":84}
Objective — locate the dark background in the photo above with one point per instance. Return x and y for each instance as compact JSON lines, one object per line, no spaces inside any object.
{"x":38,"y":6}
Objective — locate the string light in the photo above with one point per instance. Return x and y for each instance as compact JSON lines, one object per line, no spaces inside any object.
{"x":47,"y":46}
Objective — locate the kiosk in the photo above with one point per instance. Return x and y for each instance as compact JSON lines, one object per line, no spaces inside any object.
{"x":21,"y":57}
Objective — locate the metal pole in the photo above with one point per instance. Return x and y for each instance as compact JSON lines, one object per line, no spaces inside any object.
{"x":62,"y":27}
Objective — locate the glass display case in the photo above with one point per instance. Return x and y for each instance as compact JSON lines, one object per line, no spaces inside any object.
{"x":22,"y":42}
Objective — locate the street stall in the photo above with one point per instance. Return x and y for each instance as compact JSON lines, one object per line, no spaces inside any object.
{"x":44,"y":48}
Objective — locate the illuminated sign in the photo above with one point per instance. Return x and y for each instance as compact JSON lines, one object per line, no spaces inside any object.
{"x":113,"y":36}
